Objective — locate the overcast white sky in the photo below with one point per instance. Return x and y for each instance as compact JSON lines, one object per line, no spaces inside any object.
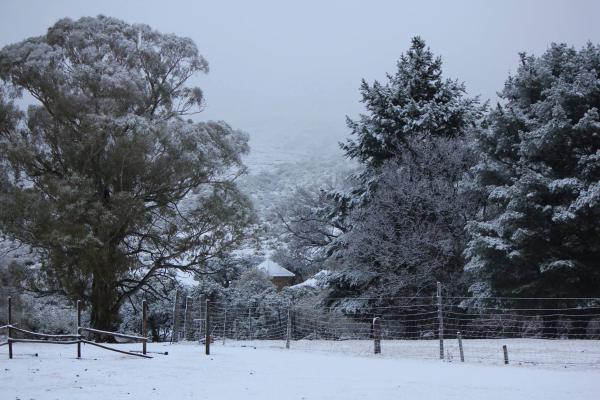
{"x":288,"y":72}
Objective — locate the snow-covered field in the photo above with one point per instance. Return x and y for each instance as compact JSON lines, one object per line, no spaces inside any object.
{"x":542,"y":353}
{"x":235,"y":372}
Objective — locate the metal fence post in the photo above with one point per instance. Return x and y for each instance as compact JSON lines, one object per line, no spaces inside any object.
{"x":224,"y":325}
{"x":202,"y":317}
{"x":10,"y":347}
{"x":174,"y":332}
{"x":440,"y":320}
{"x":460,"y":347}
{"x":251,"y":334}
{"x":288,"y":331}
{"x":188,"y":333}
{"x":505,"y":349}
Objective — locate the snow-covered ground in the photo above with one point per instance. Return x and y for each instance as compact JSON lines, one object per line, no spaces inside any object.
{"x":235,"y":372}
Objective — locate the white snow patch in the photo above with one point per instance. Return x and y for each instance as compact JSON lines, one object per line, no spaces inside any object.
{"x":318,"y":280}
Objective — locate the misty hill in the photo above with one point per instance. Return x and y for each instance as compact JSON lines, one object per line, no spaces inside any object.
{"x":274,"y":175}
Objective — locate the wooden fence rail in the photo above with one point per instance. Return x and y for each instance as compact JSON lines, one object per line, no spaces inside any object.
{"x":114,"y":334}
{"x":43,"y":341}
{"x":45,"y":338}
{"x":115,"y":350}
{"x":45,"y":335}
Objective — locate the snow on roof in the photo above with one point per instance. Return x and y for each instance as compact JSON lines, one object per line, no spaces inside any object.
{"x":319,"y":280}
{"x":274,"y":270}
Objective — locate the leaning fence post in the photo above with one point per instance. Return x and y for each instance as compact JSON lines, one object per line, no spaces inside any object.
{"x":207,"y":337}
{"x":10,"y":349}
{"x":288,"y":331}
{"x":144,"y":325}
{"x":505,"y":349}
{"x":79,"y":328}
{"x":377,"y":334}
{"x":440,"y":320}
{"x":460,"y":347}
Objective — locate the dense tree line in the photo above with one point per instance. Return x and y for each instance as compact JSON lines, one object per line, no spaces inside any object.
{"x":111,"y":189}
{"x":500,"y":202}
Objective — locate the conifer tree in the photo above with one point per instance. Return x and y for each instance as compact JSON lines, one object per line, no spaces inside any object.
{"x":406,"y":213}
{"x":539,"y":235}
{"x":416,"y":100}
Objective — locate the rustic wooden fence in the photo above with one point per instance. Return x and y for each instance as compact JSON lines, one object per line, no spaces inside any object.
{"x":76,"y":338}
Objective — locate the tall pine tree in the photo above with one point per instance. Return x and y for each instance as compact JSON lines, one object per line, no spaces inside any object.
{"x":416,"y":100}
{"x":410,"y":143}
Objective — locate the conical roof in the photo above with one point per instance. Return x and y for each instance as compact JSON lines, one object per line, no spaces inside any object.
{"x":274,"y":270}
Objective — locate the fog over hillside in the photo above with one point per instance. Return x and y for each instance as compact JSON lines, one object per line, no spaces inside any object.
{"x":267,"y":152}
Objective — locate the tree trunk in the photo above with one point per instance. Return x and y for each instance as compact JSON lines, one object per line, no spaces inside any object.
{"x":105,"y":311}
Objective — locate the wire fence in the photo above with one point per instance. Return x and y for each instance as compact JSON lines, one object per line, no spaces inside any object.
{"x":547,"y":332}
{"x":554,"y":332}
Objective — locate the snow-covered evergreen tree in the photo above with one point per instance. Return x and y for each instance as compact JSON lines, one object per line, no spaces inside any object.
{"x":540,"y":172}
{"x":407,"y":212}
{"x":415,"y":100}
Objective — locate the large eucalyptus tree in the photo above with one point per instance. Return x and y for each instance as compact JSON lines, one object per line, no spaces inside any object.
{"x":108,"y":181}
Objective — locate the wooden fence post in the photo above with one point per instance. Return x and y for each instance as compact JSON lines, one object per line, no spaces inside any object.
{"x":460,"y":347}
{"x":207,"y":337}
{"x":505,"y":349}
{"x":10,"y":348}
{"x":377,"y":334}
{"x":79,"y":328}
{"x":440,"y":320}
{"x":144,"y":325}
{"x":288,"y":330}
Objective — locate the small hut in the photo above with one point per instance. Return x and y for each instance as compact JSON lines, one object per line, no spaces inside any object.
{"x":280,"y":276}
